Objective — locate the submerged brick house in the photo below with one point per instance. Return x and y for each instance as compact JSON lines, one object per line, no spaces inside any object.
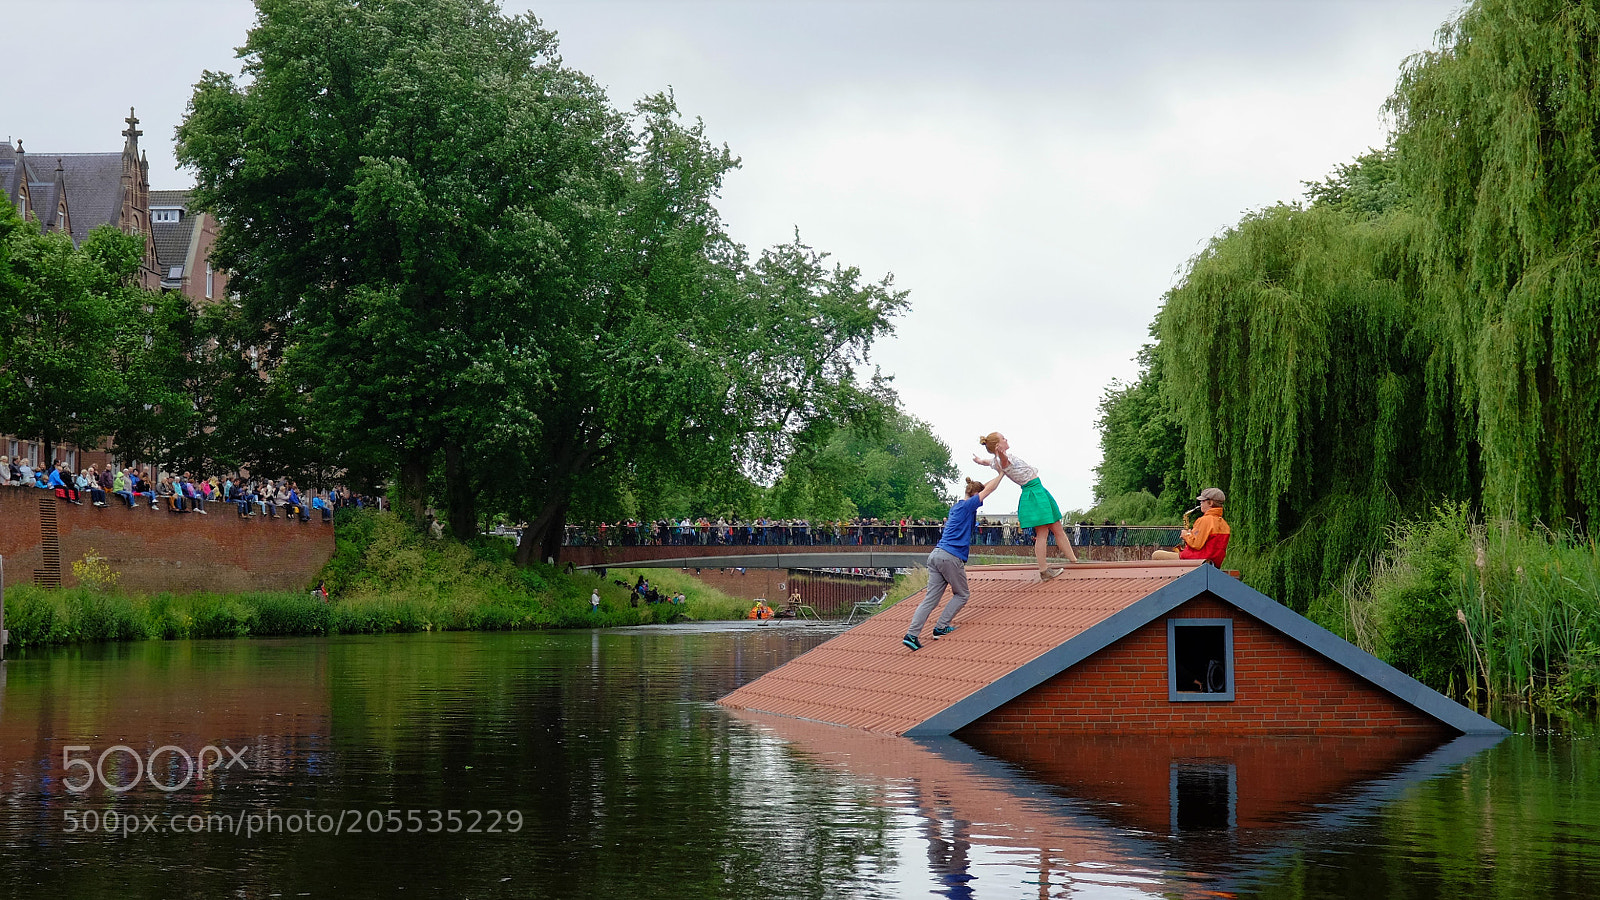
{"x":1157,"y":648}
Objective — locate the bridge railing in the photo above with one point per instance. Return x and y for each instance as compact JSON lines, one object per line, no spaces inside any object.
{"x":836,"y":535}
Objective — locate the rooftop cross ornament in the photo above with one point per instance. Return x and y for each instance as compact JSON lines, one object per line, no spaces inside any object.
{"x":133,"y":132}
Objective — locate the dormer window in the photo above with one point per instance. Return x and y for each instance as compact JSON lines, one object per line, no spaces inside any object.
{"x":158,"y":216}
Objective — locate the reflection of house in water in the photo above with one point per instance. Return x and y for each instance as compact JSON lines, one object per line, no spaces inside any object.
{"x":1107,"y":648}
{"x":1203,"y":783}
{"x":1101,"y":811}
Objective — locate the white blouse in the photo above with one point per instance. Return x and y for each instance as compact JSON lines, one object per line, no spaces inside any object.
{"x":1019,"y":471}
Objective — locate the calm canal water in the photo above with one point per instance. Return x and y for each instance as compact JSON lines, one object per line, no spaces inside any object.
{"x":594,"y":764}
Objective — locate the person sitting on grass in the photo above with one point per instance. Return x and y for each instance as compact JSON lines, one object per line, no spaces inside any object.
{"x":947,"y":564}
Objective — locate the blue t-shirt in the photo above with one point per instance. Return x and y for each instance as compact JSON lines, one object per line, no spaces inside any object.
{"x":958,"y":527}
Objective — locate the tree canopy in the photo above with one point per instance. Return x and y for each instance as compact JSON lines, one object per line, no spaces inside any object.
{"x":893,"y":470}
{"x":84,"y":353}
{"x":1424,"y":330}
{"x":459,"y":264}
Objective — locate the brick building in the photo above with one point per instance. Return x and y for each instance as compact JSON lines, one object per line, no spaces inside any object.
{"x":1134,"y":648}
{"x":74,"y":193}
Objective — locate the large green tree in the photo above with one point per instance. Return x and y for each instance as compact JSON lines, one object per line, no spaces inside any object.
{"x":458,"y":263}
{"x":1498,"y":141}
{"x":1141,"y":440}
{"x":893,"y":469}
{"x":83,"y":351}
{"x":1426,"y":329}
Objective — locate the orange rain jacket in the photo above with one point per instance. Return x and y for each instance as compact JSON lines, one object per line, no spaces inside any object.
{"x":1208,"y":539}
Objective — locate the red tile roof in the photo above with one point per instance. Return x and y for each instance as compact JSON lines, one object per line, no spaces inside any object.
{"x":865,"y":678}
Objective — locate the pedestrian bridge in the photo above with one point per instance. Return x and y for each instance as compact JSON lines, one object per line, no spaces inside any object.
{"x":819,"y":556}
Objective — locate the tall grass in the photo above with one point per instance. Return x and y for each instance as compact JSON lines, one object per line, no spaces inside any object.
{"x":1467,"y":606}
{"x":385,"y":577}
{"x":702,"y":601}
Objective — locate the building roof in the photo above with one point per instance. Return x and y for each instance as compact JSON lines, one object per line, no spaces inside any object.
{"x":169,"y":199}
{"x":864,"y":678}
{"x":94,"y":189}
{"x":1018,"y":632}
{"x":172,"y":241}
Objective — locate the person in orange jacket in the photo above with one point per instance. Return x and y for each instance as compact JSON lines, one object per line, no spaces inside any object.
{"x":1208,"y":539}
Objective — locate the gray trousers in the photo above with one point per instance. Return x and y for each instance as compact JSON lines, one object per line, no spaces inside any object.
{"x":943,"y":568}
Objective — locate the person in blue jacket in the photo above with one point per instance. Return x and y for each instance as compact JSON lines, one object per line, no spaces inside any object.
{"x":947,"y":564}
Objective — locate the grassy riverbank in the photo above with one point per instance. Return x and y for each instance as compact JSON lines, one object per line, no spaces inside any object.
{"x":385,"y":577}
{"x":1478,"y":609}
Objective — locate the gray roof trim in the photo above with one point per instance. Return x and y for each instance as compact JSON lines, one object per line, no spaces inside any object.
{"x":1343,"y":653}
{"x":1167,"y":598}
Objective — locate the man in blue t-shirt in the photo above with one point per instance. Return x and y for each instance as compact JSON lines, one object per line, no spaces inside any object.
{"x":947,"y":564}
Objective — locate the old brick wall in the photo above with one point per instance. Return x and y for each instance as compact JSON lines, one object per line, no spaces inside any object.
{"x":773,"y":584}
{"x":155,"y":550}
{"x":1280,"y":687}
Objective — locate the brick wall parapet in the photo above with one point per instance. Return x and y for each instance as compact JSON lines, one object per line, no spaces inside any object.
{"x":155,"y":551}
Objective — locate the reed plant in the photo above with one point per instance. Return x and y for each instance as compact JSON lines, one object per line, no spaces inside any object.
{"x":1468,"y":606}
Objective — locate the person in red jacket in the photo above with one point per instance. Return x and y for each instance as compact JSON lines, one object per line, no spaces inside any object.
{"x":1208,"y":539}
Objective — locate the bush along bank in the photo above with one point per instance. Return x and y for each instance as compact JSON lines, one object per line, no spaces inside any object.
{"x":1482,"y":611}
{"x":385,"y":577}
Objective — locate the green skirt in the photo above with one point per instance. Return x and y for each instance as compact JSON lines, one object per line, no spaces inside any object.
{"x":1037,"y":507}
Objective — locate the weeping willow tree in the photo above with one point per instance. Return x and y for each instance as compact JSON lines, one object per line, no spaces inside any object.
{"x":1427,"y":329}
{"x":1498,"y":140}
{"x":1299,"y":366}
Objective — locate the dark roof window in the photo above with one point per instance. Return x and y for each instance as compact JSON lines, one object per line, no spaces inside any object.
{"x":1199,"y":660}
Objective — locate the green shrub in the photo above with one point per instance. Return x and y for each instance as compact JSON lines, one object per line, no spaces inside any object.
{"x":1416,"y":590}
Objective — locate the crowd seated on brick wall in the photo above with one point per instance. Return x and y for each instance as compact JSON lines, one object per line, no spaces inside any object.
{"x":183,"y":492}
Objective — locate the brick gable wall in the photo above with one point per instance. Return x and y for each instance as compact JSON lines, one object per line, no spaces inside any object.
{"x":155,"y":551}
{"x":1281,"y":687}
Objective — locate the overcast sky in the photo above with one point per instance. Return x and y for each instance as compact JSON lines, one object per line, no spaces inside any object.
{"x":1035,"y":174}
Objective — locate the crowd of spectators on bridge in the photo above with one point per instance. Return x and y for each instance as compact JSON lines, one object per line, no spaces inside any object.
{"x":179,"y":493}
{"x":853,"y":532}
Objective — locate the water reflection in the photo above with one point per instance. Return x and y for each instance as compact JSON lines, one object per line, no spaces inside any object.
{"x":630,"y":781}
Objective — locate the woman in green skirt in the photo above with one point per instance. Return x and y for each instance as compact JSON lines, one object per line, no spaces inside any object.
{"x":1037,"y":509}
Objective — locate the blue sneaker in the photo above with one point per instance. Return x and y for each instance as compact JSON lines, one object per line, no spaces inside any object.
{"x":941,"y":632}
{"x":911,"y":641}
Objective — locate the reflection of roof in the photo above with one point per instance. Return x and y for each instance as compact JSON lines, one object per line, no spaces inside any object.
{"x":1068,"y":804}
{"x":864,"y":678}
{"x":1018,"y":633}
{"x":1003,"y":810}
